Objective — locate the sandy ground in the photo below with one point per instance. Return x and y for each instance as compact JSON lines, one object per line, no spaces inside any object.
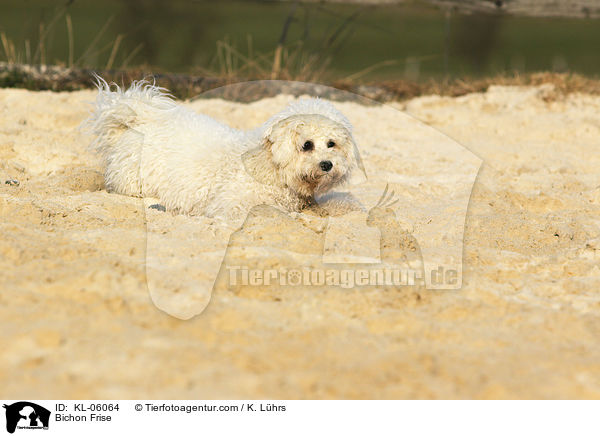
{"x":78,"y":321}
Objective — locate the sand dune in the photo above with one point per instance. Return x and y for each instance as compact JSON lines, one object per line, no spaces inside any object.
{"x":78,"y":320}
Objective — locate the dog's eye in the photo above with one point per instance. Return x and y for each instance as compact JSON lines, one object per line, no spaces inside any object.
{"x":308,"y":145}
{"x":331,"y":144}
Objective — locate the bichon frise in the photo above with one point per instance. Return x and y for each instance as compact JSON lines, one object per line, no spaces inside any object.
{"x":153,"y":147}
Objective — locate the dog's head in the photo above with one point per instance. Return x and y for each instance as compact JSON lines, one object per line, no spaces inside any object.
{"x":310,"y":143}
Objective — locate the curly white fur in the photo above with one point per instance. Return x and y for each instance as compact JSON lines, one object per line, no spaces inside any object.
{"x":153,"y":147}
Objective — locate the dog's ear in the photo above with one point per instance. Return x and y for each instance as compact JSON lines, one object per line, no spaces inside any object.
{"x":266,"y":143}
{"x":282,"y":139}
{"x":258,"y":161}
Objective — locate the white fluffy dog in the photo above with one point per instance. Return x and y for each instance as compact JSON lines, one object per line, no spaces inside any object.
{"x":153,"y":147}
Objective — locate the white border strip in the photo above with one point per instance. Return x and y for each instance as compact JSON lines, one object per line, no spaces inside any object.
{"x":266,"y":417}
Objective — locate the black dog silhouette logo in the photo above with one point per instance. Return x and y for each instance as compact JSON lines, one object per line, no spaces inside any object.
{"x":26,"y":415}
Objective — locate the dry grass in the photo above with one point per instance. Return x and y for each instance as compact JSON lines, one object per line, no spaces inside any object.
{"x":287,"y":61}
{"x":14,"y":55}
{"x":25,"y":67}
{"x":283,"y":63}
{"x":397,"y":90}
{"x":183,"y":86}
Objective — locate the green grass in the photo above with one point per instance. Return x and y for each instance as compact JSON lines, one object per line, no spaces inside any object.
{"x":181,"y":36}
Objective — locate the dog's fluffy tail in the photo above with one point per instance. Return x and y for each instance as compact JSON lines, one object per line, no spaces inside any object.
{"x":117,"y":109}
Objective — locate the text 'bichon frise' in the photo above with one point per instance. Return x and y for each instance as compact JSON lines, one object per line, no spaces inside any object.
{"x":153,"y":147}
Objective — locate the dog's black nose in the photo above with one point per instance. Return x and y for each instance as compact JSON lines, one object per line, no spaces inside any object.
{"x":326,"y":165}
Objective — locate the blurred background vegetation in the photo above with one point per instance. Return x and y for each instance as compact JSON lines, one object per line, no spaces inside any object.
{"x":304,"y":41}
